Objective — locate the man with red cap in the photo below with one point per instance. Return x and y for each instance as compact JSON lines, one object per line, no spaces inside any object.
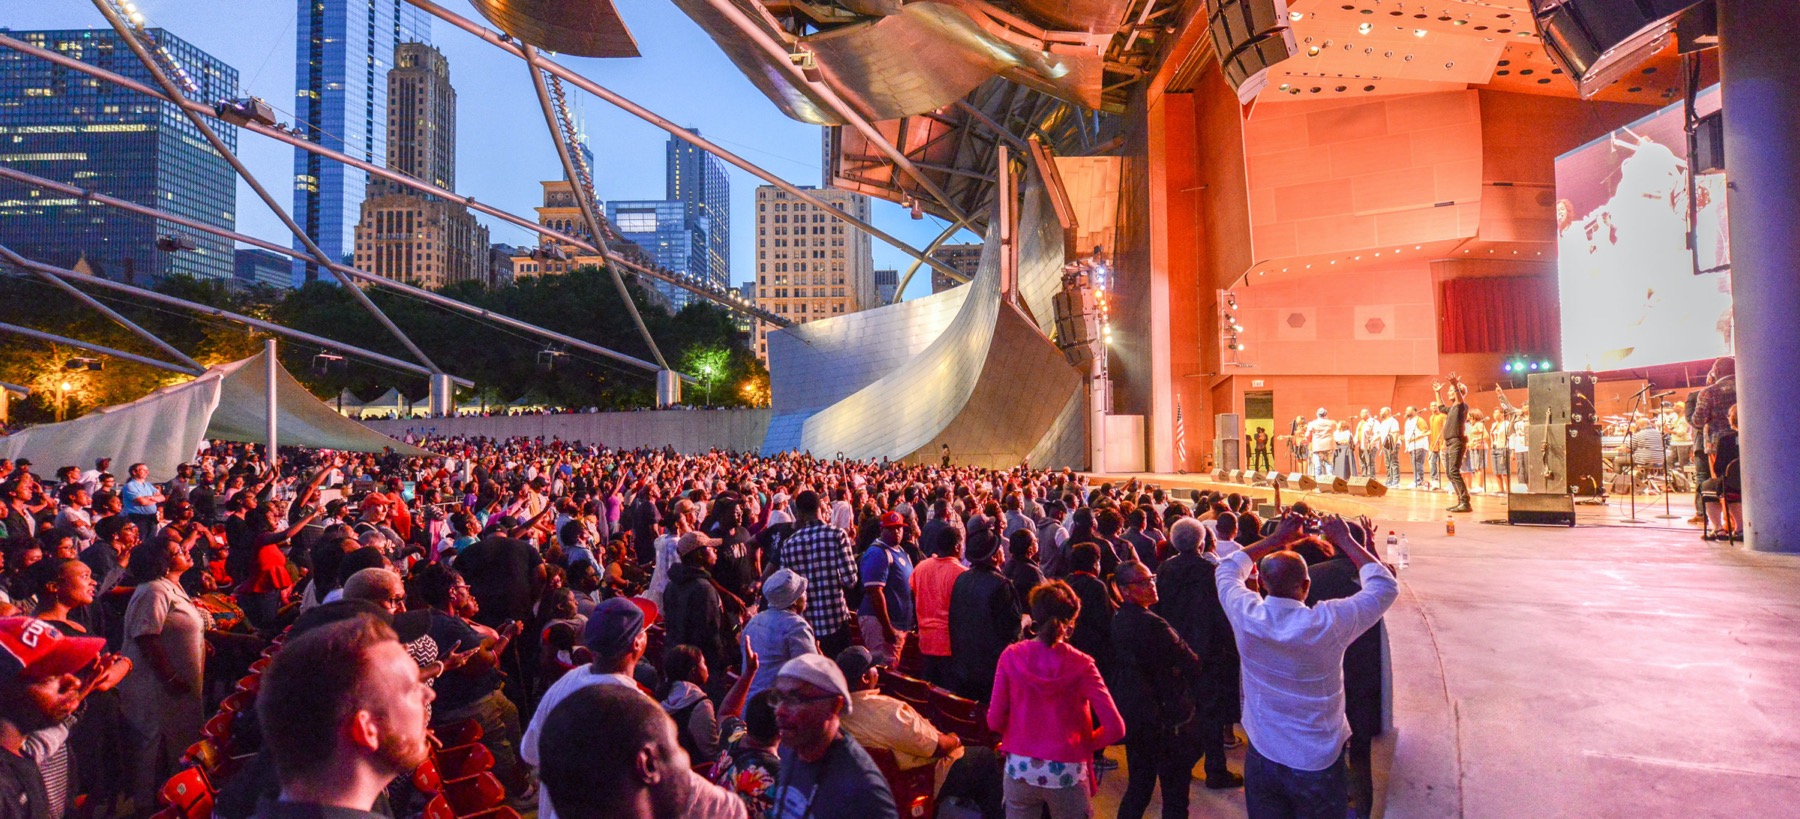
{"x":887,"y":607}
{"x":43,"y":678}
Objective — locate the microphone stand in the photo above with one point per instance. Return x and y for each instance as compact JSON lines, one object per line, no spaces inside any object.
{"x":1630,"y":411}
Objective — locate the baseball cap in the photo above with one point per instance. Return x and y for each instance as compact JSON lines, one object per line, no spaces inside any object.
{"x":693,"y":541}
{"x":31,"y":646}
{"x":22,"y":462}
{"x":615,"y":623}
{"x":855,"y":661}
{"x":892,"y":520}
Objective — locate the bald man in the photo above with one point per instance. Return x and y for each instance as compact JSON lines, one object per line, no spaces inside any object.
{"x":1293,"y":658}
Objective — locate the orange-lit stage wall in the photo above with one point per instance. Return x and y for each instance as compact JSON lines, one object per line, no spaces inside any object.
{"x":1341,"y":227}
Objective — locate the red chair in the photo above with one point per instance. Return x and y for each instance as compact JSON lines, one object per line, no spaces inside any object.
{"x":913,"y":692}
{"x":965,"y":718}
{"x":215,"y":763}
{"x":474,"y":794}
{"x":188,"y":793}
{"x":260,"y":665}
{"x":251,"y":682}
{"x":439,"y":808}
{"x":502,"y":812}
{"x":465,"y":760}
{"x":238,"y":702}
{"x":913,"y":790}
{"x":459,"y":733}
{"x":427,"y":779}
{"x":218,"y":729}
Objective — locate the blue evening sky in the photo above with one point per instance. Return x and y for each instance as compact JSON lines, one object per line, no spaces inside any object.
{"x":503,"y":149}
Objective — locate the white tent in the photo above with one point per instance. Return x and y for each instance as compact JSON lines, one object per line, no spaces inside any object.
{"x":390,"y":401}
{"x":347,"y":403}
{"x":167,"y":427}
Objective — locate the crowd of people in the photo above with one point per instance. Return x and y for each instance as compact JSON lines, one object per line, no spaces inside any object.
{"x":642,"y":633}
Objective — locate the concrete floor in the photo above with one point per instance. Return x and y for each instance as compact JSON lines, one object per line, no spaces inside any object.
{"x":1606,"y":670}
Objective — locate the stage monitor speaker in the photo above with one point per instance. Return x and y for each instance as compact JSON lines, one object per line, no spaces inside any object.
{"x":1250,"y":36}
{"x":1544,"y":509}
{"x":1561,"y":398}
{"x":1596,"y":41}
{"x":1218,"y":475}
{"x":1337,"y":486}
{"x":1235,"y":476}
{"x":1301,"y":481}
{"x":1367,"y":488}
{"x":1564,"y":459}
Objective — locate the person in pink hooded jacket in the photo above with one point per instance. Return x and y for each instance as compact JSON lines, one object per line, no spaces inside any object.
{"x":1047,"y":697}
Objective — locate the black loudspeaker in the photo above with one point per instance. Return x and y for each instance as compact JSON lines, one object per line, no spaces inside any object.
{"x":1367,"y":487}
{"x":1561,"y":398}
{"x":1250,"y":36}
{"x":1337,"y":485}
{"x":1544,"y":509}
{"x":1595,"y":41}
{"x":1564,"y":459}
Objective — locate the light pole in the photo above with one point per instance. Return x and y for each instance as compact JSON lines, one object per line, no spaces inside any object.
{"x":706,"y":372}
{"x":62,"y":402}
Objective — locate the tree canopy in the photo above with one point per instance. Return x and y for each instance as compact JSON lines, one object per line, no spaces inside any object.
{"x":504,"y":363}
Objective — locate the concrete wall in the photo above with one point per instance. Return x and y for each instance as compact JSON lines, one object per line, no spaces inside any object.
{"x":688,"y":431}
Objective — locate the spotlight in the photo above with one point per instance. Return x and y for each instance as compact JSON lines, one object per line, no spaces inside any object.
{"x":1547,"y":366}
{"x":1534,"y":365}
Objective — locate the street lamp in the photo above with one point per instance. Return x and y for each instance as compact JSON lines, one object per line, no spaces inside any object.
{"x":62,"y":401}
{"x":706,"y":373}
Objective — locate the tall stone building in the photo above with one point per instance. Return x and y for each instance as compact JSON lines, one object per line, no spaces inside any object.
{"x":403,"y":234}
{"x":809,"y":264}
{"x":966,"y":259}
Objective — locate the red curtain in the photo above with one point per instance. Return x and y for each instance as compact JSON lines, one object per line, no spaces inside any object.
{"x":1508,"y":314}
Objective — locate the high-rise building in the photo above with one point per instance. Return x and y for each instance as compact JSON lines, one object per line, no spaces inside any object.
{"x":61,"y":125}
{"x":887,"y":283}
{"x":699,"y":178}
{"x":343,"y":51}
{"x":966,"y":259}
{"x":810,"y":265}
{"x":671,"y":232}
{"x":261,"y":267}
{"x":402,"y":234}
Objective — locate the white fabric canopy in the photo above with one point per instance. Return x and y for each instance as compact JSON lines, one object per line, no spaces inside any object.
{"x":167,"y":427}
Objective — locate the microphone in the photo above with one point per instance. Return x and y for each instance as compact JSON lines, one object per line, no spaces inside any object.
{"x":1664,"y":393}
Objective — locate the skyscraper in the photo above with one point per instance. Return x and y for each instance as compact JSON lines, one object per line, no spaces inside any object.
{"x":699,"y":178}
{"x":671,"y":232}
{"x":64,"y":126}
{"x":343,"y":51}
{"x":887,"y":283}
{"x":809,"y":264}
{"x":403,"y":234}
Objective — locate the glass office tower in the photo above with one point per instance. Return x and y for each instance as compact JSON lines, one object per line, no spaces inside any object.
{"x":72,"y":128}
{"x":699,"y":178}
{"x":674,"y":233}
{"x":343,"y":51}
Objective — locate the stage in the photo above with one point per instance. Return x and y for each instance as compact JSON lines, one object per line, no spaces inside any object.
{"x":1605,"y":670}
{"x":1410,"y":506}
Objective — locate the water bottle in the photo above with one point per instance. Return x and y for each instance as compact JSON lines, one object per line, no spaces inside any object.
{"x":1393,"y":543}
{"x":1402,"y":553}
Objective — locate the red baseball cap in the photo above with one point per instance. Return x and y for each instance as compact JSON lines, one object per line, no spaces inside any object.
{"x":29,"y":646}
{"x":892,"y":520}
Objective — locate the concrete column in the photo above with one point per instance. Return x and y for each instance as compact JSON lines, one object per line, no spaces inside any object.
{"x":668,"y":388}
{"x":441,"y":402}
{"x":1761,"y":107}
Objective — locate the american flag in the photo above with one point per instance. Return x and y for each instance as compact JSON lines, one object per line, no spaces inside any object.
{"x":1180,"y":439}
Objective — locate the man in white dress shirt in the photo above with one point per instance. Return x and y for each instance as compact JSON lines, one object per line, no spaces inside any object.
{"x":1293,"y":669}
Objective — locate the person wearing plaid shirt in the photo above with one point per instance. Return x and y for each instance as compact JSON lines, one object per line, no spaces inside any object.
{"x":821,"y":553}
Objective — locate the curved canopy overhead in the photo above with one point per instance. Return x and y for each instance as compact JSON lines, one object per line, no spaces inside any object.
{"x":165,"y":428}
{"x":584,"y":28}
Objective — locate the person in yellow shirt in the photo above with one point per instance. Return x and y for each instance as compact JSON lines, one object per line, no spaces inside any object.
{"x":881,"y":721}
{"x":1437,"y":448}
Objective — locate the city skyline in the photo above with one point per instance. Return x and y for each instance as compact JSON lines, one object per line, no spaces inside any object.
{"x":505,"y":150}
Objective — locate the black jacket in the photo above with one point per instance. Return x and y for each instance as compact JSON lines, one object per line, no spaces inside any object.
{"x":1093,"y":627}
{"x":1152,"y":674}
{"x":1190,"y":603}
{"x":984,"y":620}
{"x":1336,"y":579}
{"x":694,"y":615}
{"x":1025,"y":575}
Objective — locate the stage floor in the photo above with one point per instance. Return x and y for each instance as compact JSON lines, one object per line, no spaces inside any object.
{"x":1605,"y":670}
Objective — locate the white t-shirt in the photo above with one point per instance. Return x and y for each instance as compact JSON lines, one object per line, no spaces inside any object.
{"x":571,"y":682}
{"x":1319,"y":432}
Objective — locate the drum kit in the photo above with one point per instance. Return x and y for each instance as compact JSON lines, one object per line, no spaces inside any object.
{"x":1615,"y":438}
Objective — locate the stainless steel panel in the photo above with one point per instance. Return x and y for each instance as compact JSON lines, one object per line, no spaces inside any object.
{"x":584,"y":28}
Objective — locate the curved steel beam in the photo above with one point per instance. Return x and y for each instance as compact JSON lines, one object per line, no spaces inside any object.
{"x":900,"y":291}
{"x":582,"y":199}
{"x":20,"y":261}
{"x":827,"y":94}
{"x":729,"y":303}
{"x":171,"y":90}
{"x":444,"y":301}
{"x":683,"y":134}
{"x":95,"y":348}
{"x":172,"y":301}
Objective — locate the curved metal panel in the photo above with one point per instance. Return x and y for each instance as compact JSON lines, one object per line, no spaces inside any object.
{"x":584,"y":28}
{"x":758,"y":67}
{"x":1092,"y":16}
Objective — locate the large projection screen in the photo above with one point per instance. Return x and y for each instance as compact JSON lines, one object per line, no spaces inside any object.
{"x":1630,"y":293}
